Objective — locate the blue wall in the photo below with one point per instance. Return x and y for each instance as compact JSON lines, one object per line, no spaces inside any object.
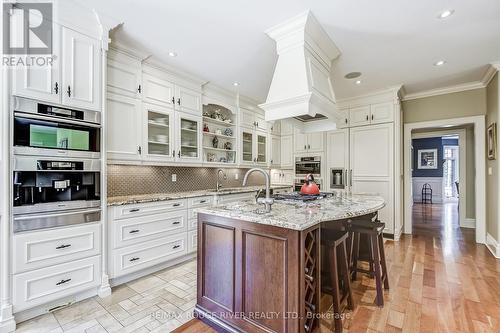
{"x":430,"y":143}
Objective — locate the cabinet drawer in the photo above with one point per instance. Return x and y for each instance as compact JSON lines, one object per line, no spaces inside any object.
{"x":193,"y":223}
{"x":47,"y":284}
{"x":150,"y":208}
{"x":192,"y":241}
{"x":136,"y":257}
{"x":37,"y":249}
{"x":135,"y":230}
{"x":200,"y":201}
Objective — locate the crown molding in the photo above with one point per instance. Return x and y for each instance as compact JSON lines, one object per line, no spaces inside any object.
{"x":482,"y":83}
{"x":390,"y":94}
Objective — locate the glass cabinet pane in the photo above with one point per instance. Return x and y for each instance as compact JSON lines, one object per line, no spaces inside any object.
{"x":261,"y":148}
{"x":189,"y":138}
{"x":158,"y":133}
{"x":247,"y":146}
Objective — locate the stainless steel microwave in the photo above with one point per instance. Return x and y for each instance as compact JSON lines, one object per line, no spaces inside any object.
{"x":308,"y":165}
{"x":45,"y":130}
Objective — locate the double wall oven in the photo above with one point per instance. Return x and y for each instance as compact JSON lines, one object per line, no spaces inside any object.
{"x":56,"y":166}
{"x":307,"y":165}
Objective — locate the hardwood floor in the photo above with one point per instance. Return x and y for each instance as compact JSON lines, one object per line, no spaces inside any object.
{"x":441,"y":281}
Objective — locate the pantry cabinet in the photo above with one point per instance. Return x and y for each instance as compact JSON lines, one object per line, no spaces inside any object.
{"x":73,"y":79}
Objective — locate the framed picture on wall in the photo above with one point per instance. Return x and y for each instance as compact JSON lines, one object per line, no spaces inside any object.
{"x":492,"y":141}
{"x":427,"y":158}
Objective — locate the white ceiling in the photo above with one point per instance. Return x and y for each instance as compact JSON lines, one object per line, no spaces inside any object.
{"x":390,"y":41}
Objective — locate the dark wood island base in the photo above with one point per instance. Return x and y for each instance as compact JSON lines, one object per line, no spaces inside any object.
{"x":258,"y":278}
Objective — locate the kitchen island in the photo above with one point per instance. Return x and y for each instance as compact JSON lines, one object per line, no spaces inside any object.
{"x":260,"y":271}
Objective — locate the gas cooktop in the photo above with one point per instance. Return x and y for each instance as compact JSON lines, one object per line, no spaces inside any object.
{"x":297,"y":196}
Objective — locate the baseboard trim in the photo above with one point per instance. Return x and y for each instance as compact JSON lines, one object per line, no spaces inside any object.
{"x":493,"y":246}
{"x":468,"y":223}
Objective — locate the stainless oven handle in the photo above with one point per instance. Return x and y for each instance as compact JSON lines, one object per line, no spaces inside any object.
{"x":58,"y":120}
{"x":41,"y":216}
{"x":55,"y":219}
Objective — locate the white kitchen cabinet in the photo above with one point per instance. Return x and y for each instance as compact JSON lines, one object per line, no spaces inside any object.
{"x":371,"y":152}
{"x":372,"y":114}
{"x":287,"y":151}
{"x":41,"y":83}
{"x":275,"y":150}
{"x":188,"y":138}
{"x":337,"y":154}
{"x":282,"y":177}
{"x":383,"y":188}
{"x":359,"y":116}
{"x":124,"y":130}
{"x":124,"y":75}
{"x":254,"y":148}
{"x":159,"y":142}
{"x":73,"y":79}
{"x":80,"y":70}
{"x":308,"y":143}
{"x":158,"y":91}
{"x":260,"y":122}
{"x":187,"y":100}
{"x":382,"y":113}
{"x":286,"y":127}
{"x":275,"y":127}
{"x":252,"y":119}
{"x":343,"y":122}
{"x":192,"y":241}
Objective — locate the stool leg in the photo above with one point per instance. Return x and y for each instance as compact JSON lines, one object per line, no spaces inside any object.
{"x":376,"y":264}
{"x":355,"y":251}
{"x":337,"y":319}
{"x":385,"y":276}
{"x":346,"y":278}
{"x":371,"y":255}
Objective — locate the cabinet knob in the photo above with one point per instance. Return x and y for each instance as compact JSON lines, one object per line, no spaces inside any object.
{"x":69,"y":91}
{"x":56,"y":88}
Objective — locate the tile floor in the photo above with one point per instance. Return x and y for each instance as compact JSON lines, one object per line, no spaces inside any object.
{"x":159,"y":302}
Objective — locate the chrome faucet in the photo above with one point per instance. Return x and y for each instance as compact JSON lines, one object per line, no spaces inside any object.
{"x":219,"y":172}
{"x":267,"y":201}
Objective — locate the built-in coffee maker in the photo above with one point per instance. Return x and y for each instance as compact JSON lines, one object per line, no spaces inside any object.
{"x":56,"y":167}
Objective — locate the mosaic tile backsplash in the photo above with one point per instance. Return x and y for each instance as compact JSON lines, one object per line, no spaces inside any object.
{"x":133,"y":180}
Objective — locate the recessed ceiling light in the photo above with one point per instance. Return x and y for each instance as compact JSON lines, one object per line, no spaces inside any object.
{"x":358,"y":82}
{"x":172,"y":54}
{"x":439,"y":63}
{"x":446,"y":13}
{"x":352,"y":75}
{"x":236,"y":84}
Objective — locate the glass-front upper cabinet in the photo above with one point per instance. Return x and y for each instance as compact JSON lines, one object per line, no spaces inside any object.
{"x":159,"y":133}
{"x":247,"y":143}
{"x":261,"y":147}
{"x":189,"y":139}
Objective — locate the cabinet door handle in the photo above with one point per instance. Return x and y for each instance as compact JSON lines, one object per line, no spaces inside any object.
{"x":372,"y":117}
{"x":367,"y":118}
{"x":56,"y":88}
{"x":133,"y":231}
{"x":178,"y":101}
{"x":176,"y":247}
{"x":63,"y":281}
{"x":350,"y":174}
{"x":308,"y":146}
{"x":176,"y":222}
{"x":134,"y":259}
{"x":133,"y":210}
{"x":346,"y":120}
{"x":69,"y":91}
{"x":139,"y":150}
{"x":63,"y":246}
{"x":257,"y":124}
{"x":203,"y":201}
{"x":176,"y":204}
{"x":179,"y":153}
{"x":139,"y":89}
{"x":173,"y":100}
{"x":173,"y":153}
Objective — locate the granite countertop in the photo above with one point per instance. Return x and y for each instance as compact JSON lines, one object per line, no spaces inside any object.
{"x":143,"y":198}
{"x":299,"y":215}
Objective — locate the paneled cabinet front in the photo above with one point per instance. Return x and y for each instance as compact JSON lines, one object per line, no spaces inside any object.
{"x":74,"y":77}
{"x":254,"y":147}
{"x":158,"y":91}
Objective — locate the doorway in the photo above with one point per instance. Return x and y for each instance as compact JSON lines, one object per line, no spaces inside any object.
{"x":476,"y":189}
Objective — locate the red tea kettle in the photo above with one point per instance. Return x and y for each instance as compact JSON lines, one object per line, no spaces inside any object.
{"x":309,"y":187}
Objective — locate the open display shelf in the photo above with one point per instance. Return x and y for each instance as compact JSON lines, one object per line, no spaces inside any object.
{"x":219,"y":135}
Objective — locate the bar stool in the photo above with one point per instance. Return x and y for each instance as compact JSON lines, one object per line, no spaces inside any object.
{"x":339,"y":273}
{"x":376,"y":254}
